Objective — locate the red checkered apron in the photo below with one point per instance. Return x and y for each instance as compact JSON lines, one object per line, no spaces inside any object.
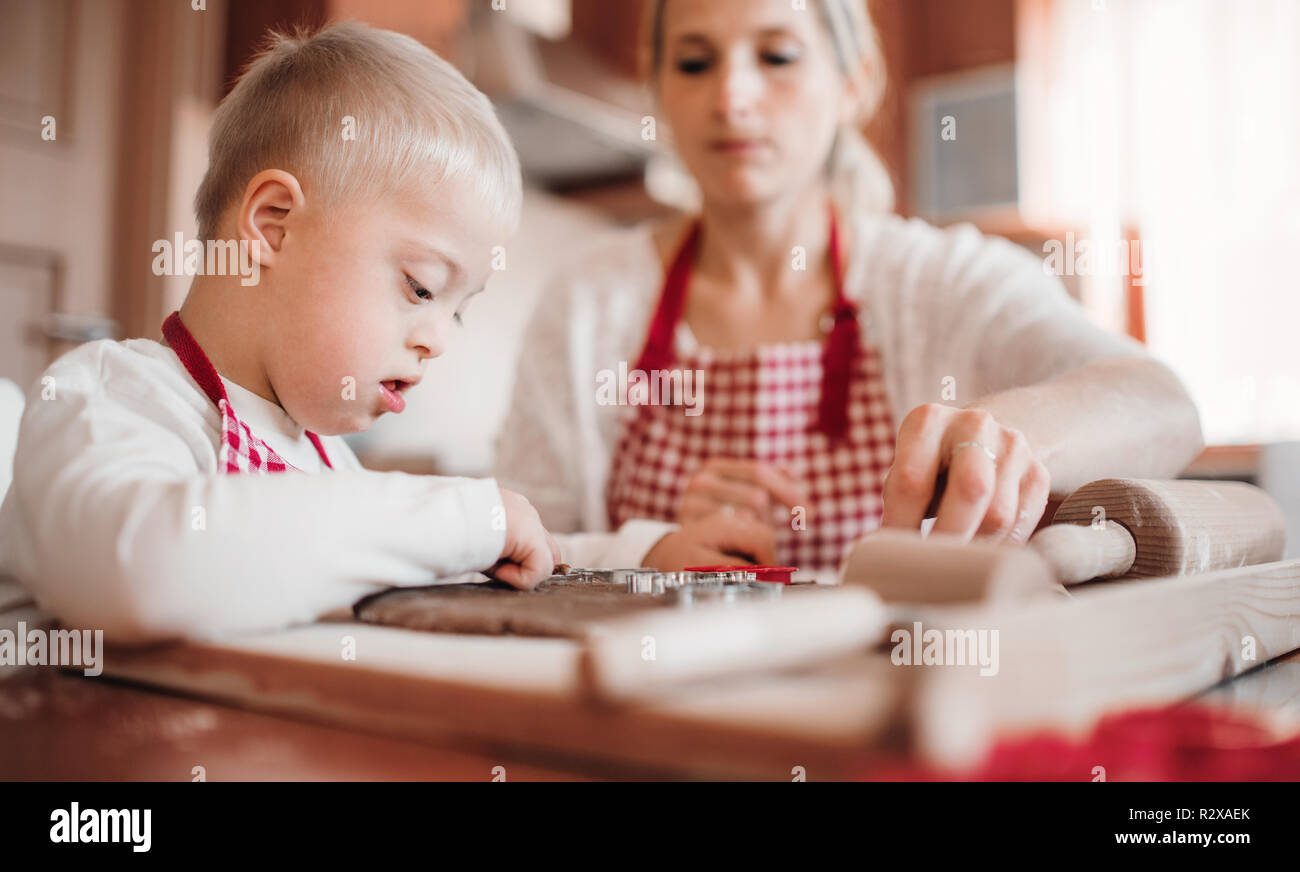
{"x":240,"y":450}
{"x":819,"y":411}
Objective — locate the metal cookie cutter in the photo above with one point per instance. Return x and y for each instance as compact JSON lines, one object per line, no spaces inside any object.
{"x":652,"y":581}
{"x":608,"y":576}
{"x":688,"y":587}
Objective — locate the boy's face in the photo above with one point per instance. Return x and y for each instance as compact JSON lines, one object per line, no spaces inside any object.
{"x":360,"y":296}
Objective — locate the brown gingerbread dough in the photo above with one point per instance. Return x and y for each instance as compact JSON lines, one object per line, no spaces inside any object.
{"x":562,"y":607}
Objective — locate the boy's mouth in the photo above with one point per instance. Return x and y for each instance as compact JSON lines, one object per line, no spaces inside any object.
{"x":392,"y":392}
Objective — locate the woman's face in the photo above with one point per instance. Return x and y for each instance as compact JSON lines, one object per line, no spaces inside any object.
{"x":753,"y":93}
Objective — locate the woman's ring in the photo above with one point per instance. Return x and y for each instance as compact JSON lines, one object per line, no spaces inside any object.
{"x":980,"y":445}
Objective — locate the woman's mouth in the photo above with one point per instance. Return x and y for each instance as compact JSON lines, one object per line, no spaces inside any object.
{"x":736,"y":146}
{"x":391,"y":391}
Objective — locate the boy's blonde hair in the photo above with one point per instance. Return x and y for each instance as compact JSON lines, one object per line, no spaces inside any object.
{"x":416,"y":121}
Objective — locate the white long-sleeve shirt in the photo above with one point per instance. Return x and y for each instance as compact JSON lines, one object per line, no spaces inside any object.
{"x":956,"y":316}
{"x":119,"y":519}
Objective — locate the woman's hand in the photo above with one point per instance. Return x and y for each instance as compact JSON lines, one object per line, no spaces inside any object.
{"x":720,"y":539}
{"x":985,"y":477}
{"x":746,"y":488}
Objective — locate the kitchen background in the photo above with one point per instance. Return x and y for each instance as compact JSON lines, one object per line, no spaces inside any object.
{"x":1164,"y":130}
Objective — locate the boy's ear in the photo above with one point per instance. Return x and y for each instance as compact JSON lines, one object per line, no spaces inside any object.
{"x":270,"y":198}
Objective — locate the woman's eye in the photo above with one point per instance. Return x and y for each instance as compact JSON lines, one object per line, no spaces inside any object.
{"x":780,"y":58}
{"x":692,"y":66}
{"x":420,"y":291}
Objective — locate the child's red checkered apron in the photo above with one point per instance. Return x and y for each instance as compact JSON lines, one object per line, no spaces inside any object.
{"x":819,"y":411}
{"x":240,"y":450}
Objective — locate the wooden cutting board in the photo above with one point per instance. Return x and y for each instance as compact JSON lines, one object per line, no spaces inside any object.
{"x":526,"y":693}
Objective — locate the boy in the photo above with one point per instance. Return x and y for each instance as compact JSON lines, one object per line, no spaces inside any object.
{"x":370,"y":182}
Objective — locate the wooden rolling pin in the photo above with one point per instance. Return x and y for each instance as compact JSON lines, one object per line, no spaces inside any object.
{"x":1107,"y":528}
{"x":1126,"y":526}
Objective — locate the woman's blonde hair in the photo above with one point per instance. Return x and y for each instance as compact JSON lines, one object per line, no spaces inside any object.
{"x":858,"y":178}
{"x":351,"y":109}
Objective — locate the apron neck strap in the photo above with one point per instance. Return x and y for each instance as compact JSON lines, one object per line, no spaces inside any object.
{"x":841,"y":350}
{"x":200,"y":368}
{"x":836,"y":255}
{"x":658,"y":352}
{"x":196,"y":362}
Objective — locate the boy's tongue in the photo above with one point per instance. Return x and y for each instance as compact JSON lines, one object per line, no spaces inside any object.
{"x":392,"y":398}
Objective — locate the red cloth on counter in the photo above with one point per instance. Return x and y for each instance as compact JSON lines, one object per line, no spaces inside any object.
{"x":1187,"y":742}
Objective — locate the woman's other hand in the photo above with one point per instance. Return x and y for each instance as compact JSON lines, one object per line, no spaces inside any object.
{"x":720,"y":539}
{"x":749,"y":489}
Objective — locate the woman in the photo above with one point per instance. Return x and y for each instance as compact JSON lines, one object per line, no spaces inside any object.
{"x":853,"y":368}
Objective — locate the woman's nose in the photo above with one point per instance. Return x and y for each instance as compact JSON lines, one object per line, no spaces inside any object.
{"x":738,"y":87}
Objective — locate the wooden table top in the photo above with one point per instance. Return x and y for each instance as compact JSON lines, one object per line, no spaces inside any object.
{"x":56,"y":725}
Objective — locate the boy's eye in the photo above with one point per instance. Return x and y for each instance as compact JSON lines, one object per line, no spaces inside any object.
{"x":420,"y":291}
{"x":425,"y":294}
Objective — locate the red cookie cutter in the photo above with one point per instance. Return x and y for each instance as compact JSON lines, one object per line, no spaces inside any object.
{"x":777,"y":574}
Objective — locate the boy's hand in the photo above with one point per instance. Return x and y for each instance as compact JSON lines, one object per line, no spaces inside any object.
{"x":719,"y":539}
{"x":530,"y":553}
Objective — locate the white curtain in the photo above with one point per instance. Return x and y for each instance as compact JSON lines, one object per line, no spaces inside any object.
{"x":1180,"y":119}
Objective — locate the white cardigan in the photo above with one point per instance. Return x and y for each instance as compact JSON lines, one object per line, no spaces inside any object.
{"x":938,"y":303}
